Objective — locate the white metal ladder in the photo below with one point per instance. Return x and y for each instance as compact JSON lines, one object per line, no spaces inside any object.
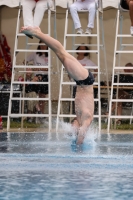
{"x":97,"y":51}
{"x":118,"y":51}
{"x":22,"y":69}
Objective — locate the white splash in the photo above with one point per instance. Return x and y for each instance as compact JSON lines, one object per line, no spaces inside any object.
{"x":71,"y":133}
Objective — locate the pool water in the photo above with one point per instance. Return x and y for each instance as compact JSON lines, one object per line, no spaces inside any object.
{"x":34,"y":167}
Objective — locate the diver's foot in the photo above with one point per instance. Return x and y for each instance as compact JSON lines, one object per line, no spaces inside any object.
{"x":30,"y":31}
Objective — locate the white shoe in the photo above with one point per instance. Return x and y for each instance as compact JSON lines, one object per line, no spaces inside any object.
{"x":88,"y":30}
{"x":80,"y":31}
{"x":131,"y":30}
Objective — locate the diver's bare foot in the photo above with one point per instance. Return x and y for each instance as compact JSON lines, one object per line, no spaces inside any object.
{"x":30,"y":31}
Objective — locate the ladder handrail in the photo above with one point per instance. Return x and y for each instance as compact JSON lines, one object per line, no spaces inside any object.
{"x":16,"y":50}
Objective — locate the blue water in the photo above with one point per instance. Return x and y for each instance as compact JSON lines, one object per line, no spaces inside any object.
{"x":32,"y":167}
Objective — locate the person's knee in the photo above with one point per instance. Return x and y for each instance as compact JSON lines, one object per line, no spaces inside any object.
{"x":92,"y":7}
{"x":131,"y":5}
{"x":41,"y":6}
{"x":73,"y":8}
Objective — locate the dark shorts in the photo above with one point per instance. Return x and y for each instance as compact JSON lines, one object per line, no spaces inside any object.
{"x":43,"y":89}
{"x":88,"y":81}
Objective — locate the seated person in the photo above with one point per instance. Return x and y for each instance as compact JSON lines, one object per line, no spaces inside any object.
{"x":130,"y":5}
{"x":30,"y":92}
{"x":5,"y":72}
{"x":84,"y":59}
{"x":41,"y":59}
{"x":123,"y":93}
{"x":40,"y":7}
{"x":83,"y":5}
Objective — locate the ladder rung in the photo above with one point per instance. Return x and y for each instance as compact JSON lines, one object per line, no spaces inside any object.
{"x":121,"y":116}
{"x":29,"y":83}
{"x":5,"y":116}
{"x":81,"y":35}
{"x":29,"y":99}
{"x":90,"y":51}
{"x":124,"y":51}
{"x":31,"y":66}
{"x":122,"y":67}
{"x":89,"y":45}
{"x":30,"y":50}
{"x":127,"y":45}
{"x":67,"y":99}
{"x":122,"y":100}
{"x":124,"y":35}
{"x":21,"y":34}
{"x":40,"y":44}
{"x":123,"y":84}
{"x":37,"y":72}
{"x":28,"y":115}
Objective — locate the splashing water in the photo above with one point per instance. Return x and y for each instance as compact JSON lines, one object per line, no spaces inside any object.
{"x":70,"y":133}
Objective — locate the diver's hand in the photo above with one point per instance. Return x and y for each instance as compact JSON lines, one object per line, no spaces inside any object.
{"x":32,"y":31}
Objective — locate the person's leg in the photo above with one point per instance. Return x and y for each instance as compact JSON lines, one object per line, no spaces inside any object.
{"x":73,"y":67}
{"x":91,"y":17}
{"x":75,"y":124}
{"x":28,"y":6}
{"x":30,"y":105}
{"x":41,"y":7}
{"x":130,"y":4}
{"x":73,"y":10}
{"x":121,"y":95}
{"x":42,"y":102}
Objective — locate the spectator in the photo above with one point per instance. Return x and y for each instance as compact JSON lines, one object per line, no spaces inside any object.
{"x":40,"y":7}
{"x":130,"y":4}
{"x":30,"y":90}
{"x":123,"y":93}
{"x":83,"y":5}
{"x":40,"y":59}
{"x":83,"y":58}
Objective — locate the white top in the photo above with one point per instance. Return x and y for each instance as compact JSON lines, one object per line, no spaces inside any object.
{"x":38,"y":61}
{"x":87,"y":62}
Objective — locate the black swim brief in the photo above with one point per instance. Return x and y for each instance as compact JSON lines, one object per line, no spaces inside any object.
{"x":88,"y":81}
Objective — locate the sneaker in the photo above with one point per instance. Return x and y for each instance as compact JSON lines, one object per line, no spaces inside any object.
{"x":131,"y":30}
{"x":80,"y":31}
{"x":88,"y":30}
